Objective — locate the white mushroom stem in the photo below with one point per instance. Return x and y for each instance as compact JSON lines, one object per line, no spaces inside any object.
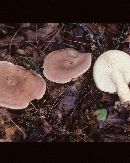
{"x":121,"y":86}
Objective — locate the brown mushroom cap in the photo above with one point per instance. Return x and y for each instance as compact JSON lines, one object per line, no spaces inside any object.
{"x":61,"y":66}
{"x":19,"y":86}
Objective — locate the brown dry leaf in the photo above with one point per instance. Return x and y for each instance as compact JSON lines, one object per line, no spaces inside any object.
{"x":5,"y":116}
{"x":127,"y":39}
{"x":20,"y":51}
{"x":11,"y":133}
{"x":42,"y":33}
{"x":69,"y":99}
{"x":93,"y":27}
{"x":46,"y":31}
{"x":30,"y":35}
{"x":9,"y":58}
{"x":105,"y":97}
{"x":101,"y":29}
{"x":96,"y":27}
{"x":3,"y":52}
{"x":56,"y":92}
{"x":7,"y":40}
{"x":127,"y":50}
{"x":79,"y":131}
{"x":113,"y":28}
{"x":57,"y":114}
{"x":25,"y":25}
{"x":47,"y":127}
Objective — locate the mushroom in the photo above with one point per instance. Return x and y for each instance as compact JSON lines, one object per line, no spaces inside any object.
{"x":19,"y":86}
{"x":111,"y":73}
{"x":61,"y":66}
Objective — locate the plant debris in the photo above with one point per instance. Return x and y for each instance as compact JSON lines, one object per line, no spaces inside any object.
{"x":76,"y":111}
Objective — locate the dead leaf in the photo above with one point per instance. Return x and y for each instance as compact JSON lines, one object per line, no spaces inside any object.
{"x":127,"y":39}
{"x":30,"y":35}
{"x":7,"y":40}
{"x":46,"y":31}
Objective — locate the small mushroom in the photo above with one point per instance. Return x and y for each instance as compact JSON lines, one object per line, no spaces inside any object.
{"x":111,"y":73}
{"x":61,"y":66}
{"x":19,"y":86}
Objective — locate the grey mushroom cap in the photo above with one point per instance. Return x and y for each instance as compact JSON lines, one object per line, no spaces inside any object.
{"x":111,"y":73}
{"x":19,"y":86}
{"x":61,"y":66}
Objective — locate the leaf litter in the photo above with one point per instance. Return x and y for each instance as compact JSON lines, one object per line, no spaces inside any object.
{"x":66,"y":112}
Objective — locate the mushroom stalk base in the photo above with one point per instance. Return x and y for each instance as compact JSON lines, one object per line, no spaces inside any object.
{"x":122,"y":88}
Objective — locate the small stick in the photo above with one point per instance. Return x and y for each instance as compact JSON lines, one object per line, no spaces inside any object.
{"x":18,"y":128}
{"x":53,"y":37}
{"x":14,"y":37}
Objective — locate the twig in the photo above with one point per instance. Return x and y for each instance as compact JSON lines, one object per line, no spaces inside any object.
{"x":14,"y":37}
{"x":33,"y":105}
{"x":56,"y":101}
{"x":53,"y":38}
{"x":18,"y":128}
{"x":4,"y":25}
{"x":36,"y":34}
{"x":82,"y":138}
{"x":36,"y":47}
{"x":60,"y":96}
{"x":79,"y":99}
{"x":60,"y":42}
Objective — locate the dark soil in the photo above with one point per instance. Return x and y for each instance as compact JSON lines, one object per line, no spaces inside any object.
{"x":66,"y":111}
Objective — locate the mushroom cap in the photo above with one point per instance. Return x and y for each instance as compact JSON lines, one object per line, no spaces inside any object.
{"x":62,"y":65}
{"x":19,"y":86}
{"x":106,"y":64}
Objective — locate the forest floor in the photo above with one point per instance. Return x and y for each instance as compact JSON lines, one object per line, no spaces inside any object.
{"x":66,"y":113}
